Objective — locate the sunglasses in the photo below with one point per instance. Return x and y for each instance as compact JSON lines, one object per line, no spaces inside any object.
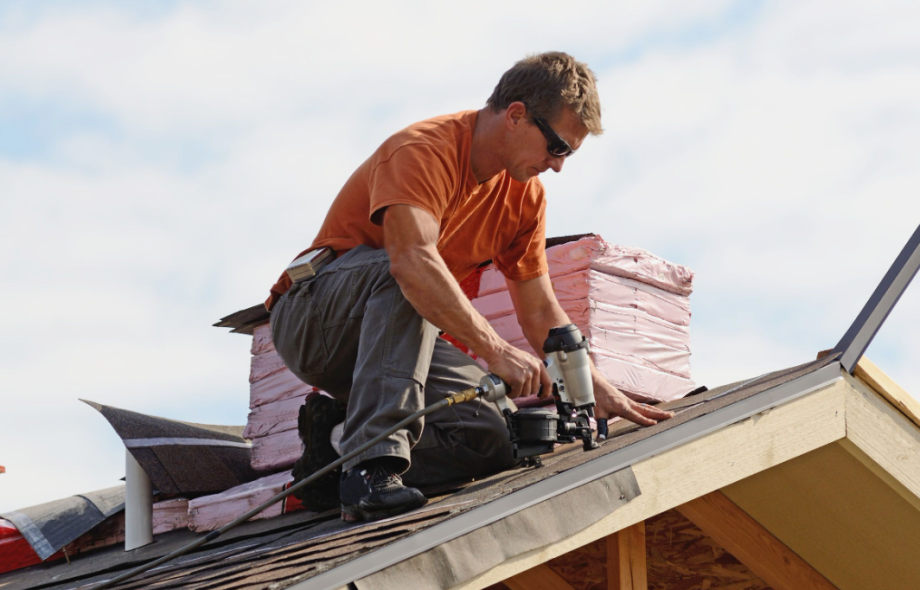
{"x":555,"y":145}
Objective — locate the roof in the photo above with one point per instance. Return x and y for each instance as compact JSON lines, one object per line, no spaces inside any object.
{"x":827,"y":462}
{"x":574,"y":489}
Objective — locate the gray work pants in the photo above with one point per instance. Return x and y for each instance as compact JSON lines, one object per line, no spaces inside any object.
{"x":350,"y":332}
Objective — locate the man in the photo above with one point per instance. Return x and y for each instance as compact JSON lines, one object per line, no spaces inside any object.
{"x":430,"y":205}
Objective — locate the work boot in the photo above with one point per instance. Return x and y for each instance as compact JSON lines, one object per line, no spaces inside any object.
{"x":318,"y":416}
{"x":372,"y":491}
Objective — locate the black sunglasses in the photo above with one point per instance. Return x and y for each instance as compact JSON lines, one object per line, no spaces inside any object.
{"x":555,"y":145}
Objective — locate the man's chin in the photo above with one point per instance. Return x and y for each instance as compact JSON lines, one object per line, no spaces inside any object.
{"x":525,"y":175}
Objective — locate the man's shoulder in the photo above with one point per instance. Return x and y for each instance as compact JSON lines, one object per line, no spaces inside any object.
{"x":445,"y":132}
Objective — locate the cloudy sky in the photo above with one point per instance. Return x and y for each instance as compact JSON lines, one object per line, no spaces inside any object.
{"x":161,"y":161}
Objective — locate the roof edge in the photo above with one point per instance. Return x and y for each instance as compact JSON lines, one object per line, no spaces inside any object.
{"x":886,"y":387}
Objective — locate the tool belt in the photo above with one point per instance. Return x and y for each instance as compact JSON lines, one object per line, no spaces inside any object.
{"x":308,"y":265}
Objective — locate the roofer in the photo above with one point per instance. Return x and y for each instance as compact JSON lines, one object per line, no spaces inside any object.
{"x":435,"y":201}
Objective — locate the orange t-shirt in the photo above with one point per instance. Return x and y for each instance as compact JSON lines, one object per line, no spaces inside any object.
{"x":427,"y":165}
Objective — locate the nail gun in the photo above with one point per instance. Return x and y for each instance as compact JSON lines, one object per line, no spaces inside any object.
{"x":535,"y":431}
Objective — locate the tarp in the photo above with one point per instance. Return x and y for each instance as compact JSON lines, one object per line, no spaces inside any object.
{"x":48,"y":527}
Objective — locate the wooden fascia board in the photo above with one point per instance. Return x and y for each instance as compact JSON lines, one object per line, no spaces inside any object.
{"x":886,"y":387}
{"x":883,"y":439}
{"x":704,"y":465}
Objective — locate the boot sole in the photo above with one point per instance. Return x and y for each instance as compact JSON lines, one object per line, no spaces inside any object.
{"x":358,"y":514}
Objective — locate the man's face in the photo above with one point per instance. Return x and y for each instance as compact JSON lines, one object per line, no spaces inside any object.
{"x":527,"y":155}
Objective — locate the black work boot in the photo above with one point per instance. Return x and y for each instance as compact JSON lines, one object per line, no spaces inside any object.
{"x":318,"y":416}
{"x":372,"y":491}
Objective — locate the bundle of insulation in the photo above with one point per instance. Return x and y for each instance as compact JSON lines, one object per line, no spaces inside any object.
{"x":632,"y":306}
{"x":207,"y":513}
{"x":275,"y":396}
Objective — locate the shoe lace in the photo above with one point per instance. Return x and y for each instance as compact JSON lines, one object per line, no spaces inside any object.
{"x":381,"y":477}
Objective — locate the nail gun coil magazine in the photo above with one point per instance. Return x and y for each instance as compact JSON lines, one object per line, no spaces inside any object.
{"x":534,"y":431}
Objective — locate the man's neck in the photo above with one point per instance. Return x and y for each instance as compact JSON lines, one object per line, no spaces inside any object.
{"x":485,"y":151}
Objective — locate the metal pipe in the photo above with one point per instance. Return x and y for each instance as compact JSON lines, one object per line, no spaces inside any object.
{"x":455,"y":398}
{"x":138,"y":504}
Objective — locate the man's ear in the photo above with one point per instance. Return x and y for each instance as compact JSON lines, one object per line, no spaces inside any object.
{"x":514,"y":115}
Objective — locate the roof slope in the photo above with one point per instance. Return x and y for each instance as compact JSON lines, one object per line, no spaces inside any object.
{"x":298,"y":547}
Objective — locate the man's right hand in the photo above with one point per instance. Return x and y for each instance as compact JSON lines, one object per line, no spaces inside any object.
{"x":523,"y":372}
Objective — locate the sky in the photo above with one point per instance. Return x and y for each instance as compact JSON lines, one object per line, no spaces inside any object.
{"x":161,"y":162}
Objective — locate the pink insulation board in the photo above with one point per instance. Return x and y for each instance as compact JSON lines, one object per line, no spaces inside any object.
{"x":630,"y":332}
{"x":639,"y":382}
{"x":275,"y":396}
{"x":595,"y":253}
{"x":262,"y":339}
{"x":264,"y":365}
{"x":170,"y":515}
{"x":276,"y":387}
{"x":276,"y":451}
{"x":273,"y":418}
{"x":208,"y":513}
{"x":594,"y":285}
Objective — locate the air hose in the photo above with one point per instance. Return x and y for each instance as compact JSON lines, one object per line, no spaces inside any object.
{"x":451,"y":400}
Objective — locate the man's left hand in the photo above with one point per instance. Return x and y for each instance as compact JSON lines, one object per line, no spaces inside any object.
{"x":612,"y":402}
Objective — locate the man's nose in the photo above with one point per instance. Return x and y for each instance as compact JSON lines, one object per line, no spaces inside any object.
{"x":556,"y":164}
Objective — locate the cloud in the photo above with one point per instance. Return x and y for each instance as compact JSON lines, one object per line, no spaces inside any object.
{"x":160,"y":164}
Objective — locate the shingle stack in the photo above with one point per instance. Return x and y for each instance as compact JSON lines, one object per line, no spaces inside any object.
{"x":275,"y":395}
{"x":633,"y":307}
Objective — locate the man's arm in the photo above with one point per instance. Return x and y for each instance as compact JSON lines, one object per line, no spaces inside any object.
{"x":410,"y":238}
{"x":537,"y":311}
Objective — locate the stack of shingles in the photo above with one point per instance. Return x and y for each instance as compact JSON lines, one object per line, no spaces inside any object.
{"x":631,"y":305}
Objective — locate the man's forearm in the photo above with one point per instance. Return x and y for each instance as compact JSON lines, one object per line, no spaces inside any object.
{"x":537,"y":324}
{"x":431,"y":289}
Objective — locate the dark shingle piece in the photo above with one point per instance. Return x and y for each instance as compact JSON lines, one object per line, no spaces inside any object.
{"x":183,"y":457}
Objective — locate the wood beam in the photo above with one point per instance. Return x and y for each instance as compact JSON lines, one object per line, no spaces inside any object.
{"x":626,"y":566}
{"x":752,"y":544}
{"x":887,"y":388}
{"x":882,"y":432}
{"x":538,"y":578}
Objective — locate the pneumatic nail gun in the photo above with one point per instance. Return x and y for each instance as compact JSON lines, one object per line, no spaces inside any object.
{"x":535,"y":431}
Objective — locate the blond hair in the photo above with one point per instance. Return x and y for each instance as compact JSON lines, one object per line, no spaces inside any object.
{"x":546,"y":83}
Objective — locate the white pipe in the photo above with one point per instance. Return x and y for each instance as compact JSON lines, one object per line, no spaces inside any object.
{"x":138,"y":505}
